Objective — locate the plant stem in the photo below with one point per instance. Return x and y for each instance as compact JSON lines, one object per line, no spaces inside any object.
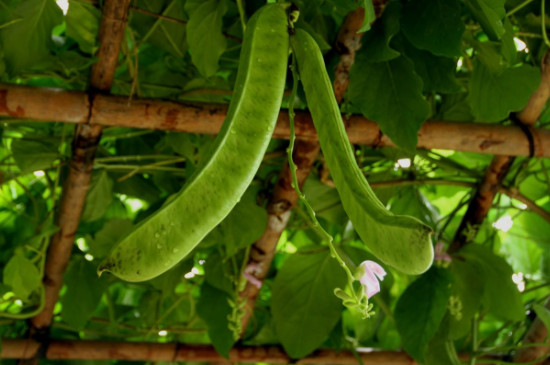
{"x":519,"y":7}
{"x":242,"y":13}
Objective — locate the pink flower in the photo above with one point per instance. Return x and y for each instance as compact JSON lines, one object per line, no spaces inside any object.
{"x":441,"y":255}
{"x":370,"y":274}
{"x":249,"y":273}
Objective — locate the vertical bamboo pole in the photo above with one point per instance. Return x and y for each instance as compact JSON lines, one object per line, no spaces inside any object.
{"x":85,"y":141}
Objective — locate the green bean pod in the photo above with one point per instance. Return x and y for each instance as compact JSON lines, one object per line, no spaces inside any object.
{"x":399,"y":241}
{"x":166,"y":237}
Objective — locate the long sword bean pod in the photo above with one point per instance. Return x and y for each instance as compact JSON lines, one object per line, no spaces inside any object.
{"x":399,"y":241}
{"x":166,"y":237}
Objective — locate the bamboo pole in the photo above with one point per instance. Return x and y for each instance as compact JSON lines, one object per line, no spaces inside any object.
{"x":85,"y":143}
{"x":178,"y":352}
{"x":148,"y":351}
{"x":32,"y":103}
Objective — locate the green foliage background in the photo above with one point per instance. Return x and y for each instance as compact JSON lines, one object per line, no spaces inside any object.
{"x":440,"y":59}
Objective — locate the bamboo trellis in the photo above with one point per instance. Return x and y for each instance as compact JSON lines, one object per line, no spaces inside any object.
{"x":95,"y":110}
{"x":147,"y":351}
{"x":41,"y":104}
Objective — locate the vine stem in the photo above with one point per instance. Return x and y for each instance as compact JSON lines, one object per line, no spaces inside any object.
{"x":519,"y":7}
{"x":242,"y":13}
{"x":475,"y":344}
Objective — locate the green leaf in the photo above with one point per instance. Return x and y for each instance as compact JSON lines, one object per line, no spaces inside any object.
{"x":466,"y":297}
{"x":543,"y":313}
{"x":213,"y":308}
{"x":303,"y":305}
{"x":494,"y":94}
{"x":33,"y":155}
{"x":22,"y":276}
{"x":441,"y":349}
{"x":205,"y":28}
{"x":84,"y":292}
{"x":434,"y":25}
{"x":420,"y":310}
{"x":437,"y":73}
{"x":325,"y":201}
{"x":455,"y":108}
{"x":410,"y":201}
{"x":242,"y":227}
{"x":168,"y":281}
{"x":376,"y":43}
{"x":489,"y":14}
{"x":82,"y":25}
{"x":370,"y":15}
{"x":27,"y":42}
{"x":390,"y":93}
{"x":509,"y":50}
{"x":217,"y":271}
{"x":2,"y":63}
{"x":108,"y":236}
{"x":166,"y":35}
{"x":99,"y":197}
{"x":321,"y":42}
{"x":520,"y":246}
{"x":501,"y":296}
{"x":531,"y":225}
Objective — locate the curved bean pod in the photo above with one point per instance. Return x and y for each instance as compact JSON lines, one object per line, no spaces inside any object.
{"x":399,"y":241}
{"x":166,"y":237}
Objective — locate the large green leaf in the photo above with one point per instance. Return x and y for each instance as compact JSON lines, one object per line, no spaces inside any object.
{"x":376,"y":43}
{"x":441,"y":349}
{"x":521,"y":245}
{"x":533,"y":226}
{"x":205,"y":28}
{"x":489,"y":14}
{"x":420,"y":310}
{"x":166,"y":35}
{"x":496,"y":93}
{"x":214,"y":309}
{"x":390,"y":93}
{"x":32,"y":155}
{"x":325,"y":201}
{"x":410,"y":201}
{"x":84,"y":291}
{"x":434,"y":25}
{"x":22,"y":276}
{"x":468,"y":288}
{"x":242,"y":227}
{"x":501,"y":295}
{"x":82,"y":25}
{"x":104,"y":240}
{"x":168,"y":282}
{"x":436,"y":72}
{"x":218,"y":272}
{"x":303,"y":305}
{"x":27,"y":42}
{"x":99,"y":197}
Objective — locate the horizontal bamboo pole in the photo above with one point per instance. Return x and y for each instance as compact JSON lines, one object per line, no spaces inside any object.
{"x":149,"y":351}
{"x":75,"y":107}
